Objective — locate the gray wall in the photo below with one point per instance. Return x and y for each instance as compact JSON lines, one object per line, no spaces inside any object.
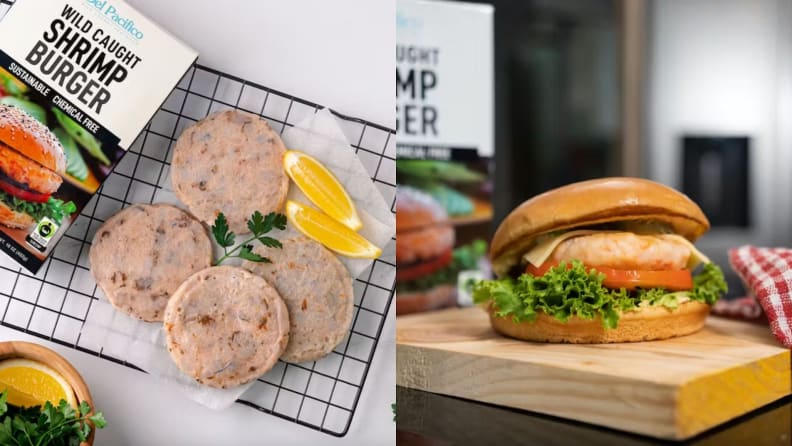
{"x":723,"y":67}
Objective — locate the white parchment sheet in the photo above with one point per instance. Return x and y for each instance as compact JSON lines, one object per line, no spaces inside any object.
{"x":320,"y":136}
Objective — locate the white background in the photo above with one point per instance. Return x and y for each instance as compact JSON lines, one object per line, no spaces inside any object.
{"x":337,"y":53}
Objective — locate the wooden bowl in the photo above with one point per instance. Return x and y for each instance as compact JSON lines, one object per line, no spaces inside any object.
{"x":35,"y":352}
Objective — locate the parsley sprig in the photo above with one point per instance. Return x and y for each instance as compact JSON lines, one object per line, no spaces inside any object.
{"x":48,"y":425}
{"x":259,"y":225}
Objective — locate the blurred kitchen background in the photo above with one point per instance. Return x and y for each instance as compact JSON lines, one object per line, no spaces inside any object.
{"x":696,"y":94}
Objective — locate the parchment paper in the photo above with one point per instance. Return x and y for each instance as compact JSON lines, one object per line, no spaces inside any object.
{"x":321,"y":137}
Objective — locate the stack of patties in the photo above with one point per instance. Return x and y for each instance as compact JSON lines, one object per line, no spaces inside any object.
{"x":231,"y":162}
{"x":224,"y":325}
{"x":31,"y":164}
{"x":424,"y":253}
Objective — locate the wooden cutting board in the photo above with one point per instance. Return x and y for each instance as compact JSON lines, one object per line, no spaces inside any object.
{"x":670,"y":389}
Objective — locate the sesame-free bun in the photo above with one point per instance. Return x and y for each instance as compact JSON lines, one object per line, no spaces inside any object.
{"x":589,"y":203}
{"x":14,"y":220}
{"x":26,"y":135}
{"x":416,"y":209}
{"x":643,"y":324}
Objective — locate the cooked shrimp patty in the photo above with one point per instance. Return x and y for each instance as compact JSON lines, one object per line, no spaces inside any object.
{"x":24,"y":170}
{"x":624,"y":250}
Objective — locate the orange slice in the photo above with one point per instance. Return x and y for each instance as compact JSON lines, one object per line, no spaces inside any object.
{"x":329,"y":232}
{"x":321,"y":187}
{"x":30,"y":383}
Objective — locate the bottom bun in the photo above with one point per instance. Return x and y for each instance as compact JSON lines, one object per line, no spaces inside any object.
{"x":15,"y":220}
{"x":645,"y":324}
{"x":415,"y":302}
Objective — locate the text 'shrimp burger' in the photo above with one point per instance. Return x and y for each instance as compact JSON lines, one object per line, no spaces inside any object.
{"x":79,"y":80}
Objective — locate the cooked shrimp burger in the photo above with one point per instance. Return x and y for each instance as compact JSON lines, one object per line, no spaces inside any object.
{"x":606,"y":260}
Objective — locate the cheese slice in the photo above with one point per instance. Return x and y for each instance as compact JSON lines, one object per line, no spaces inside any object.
{"x":696,"y":256}
{"x":539,"y":254}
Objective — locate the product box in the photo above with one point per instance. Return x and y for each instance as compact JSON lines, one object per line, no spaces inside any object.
{"x":445,"y":148}
{"x":79,"y":79}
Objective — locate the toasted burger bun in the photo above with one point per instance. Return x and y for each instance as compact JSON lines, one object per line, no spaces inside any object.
{"x":645,"y":324}
{"x":15,"y":220}
{"x":31,"y":138}
{"x":593,"y":202}
{"x":423,"y":231}
{"x":416,"y":209}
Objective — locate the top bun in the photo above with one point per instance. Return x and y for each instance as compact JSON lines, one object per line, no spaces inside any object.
{"x":589,"y":203}
{"x":26,"y":135}
{"x":416,"y":209}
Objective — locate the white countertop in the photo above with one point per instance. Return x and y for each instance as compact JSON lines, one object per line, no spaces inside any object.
{"x":338,"y":54}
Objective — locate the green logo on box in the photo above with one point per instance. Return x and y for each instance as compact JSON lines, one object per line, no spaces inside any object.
{"x":43,"y":234}
{"x":46,"y":229}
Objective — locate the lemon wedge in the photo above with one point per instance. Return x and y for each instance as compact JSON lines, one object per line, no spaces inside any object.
{"x":329,"y":232}
{"x":322,"y":188}
{"x":30,"y":383}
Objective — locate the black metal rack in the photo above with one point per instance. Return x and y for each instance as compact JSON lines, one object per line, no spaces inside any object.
{"x":56,"y":303}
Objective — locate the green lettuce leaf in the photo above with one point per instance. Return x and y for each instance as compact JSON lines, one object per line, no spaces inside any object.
{"x":56,"y":210}
{"x":85,"y":139}
{"x":75,"y":163}
{"x":709,"y":284}
{"x":565,"y":291}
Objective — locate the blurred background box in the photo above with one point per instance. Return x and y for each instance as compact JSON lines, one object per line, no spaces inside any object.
{"x":445,"y":147}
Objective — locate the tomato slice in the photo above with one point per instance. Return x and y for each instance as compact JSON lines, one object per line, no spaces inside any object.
{"x":422,"y":268}
{"x":23,"y":194}
{"x":541,"y":270}
{"x":677,"y":280}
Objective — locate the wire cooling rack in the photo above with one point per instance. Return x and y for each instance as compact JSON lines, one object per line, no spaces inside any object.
{"x":61,"y":301}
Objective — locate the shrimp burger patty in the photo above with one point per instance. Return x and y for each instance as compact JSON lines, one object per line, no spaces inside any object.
{"x":31,"y":164}
{"x":606,"y":260}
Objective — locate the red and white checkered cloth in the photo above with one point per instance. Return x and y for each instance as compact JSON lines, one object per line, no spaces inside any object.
{"x":767,"y":272}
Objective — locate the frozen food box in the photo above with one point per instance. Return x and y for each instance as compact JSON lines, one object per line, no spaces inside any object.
{"x":79,"y":80}
{"x":445,"y":147}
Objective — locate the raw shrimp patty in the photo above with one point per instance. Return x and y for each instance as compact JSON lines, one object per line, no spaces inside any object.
{"x":624,"y":250}
{"x":317,"y":289}
{"x":230,"y":162}
{"x":225,"y":327}
{"x":141,"y":255}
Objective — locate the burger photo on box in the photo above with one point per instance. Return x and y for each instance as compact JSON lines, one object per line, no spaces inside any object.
{"x":88,"y":161}
{"x":32,"y":162}
{"x":599,"y":261}
{"x":427,"y":263}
